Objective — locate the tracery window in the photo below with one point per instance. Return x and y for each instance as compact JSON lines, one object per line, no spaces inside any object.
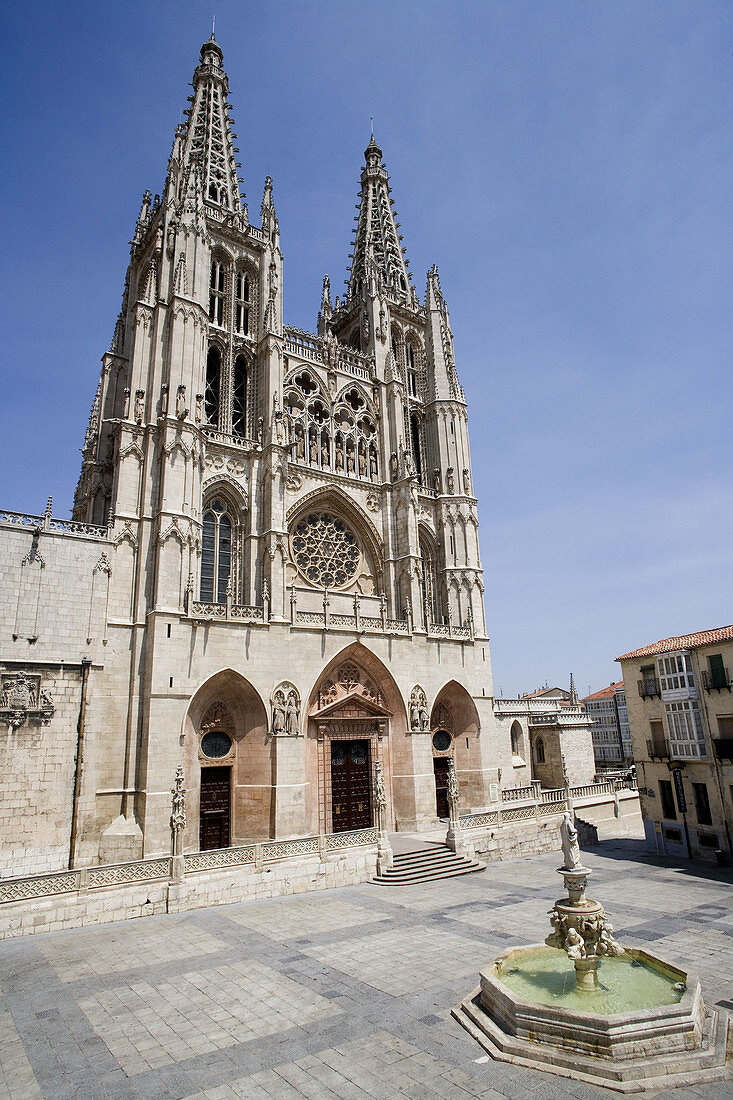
{"x":239,"y":397}
{"x":429,"y":583}
{"x":241,"y":304}
{"x":213,"y":386}
{"x":325,"y":550}
{"x":345,"y":440}
{"x":217,"y":284}
{"x":216,"y":552}
{"x":416,"y":448}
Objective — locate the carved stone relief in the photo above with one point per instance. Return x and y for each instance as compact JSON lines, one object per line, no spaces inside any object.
{"x":22,"y":698}
{"x":419,"y":716}
{"x":285,"y":705}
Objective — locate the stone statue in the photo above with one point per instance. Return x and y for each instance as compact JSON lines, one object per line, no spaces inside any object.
{"x":325,"y":459}
{"x":199,"y":408}
{"x":449,"y":479}
{"x":362,"y":463}
{"x":350,"y":460}
{"x":414,"y":716}
{"x":393,"y":465}
{"x":570,"y":846}
{"x":466,"y":480}
{"x":313,"y":450}
{"x":292,"y":716}
{"x":339,"y":458}
{"x":574,"y":944}
{"x":278,"y":713}
{"x":139,"y":406}
{"x":300,"y":444}
{"x":373,"y":465}
{"x":436,"y":480}
{"x":181,"y":410}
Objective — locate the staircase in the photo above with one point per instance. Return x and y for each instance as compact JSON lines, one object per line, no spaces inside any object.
{"x":426,"y":865}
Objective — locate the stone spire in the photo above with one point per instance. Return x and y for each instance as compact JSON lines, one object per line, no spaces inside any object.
{"x":207,"y":140}
{"x":378,"y":253}
{"x":573,"y":692}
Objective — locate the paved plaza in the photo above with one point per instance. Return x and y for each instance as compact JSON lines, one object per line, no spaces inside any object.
{"x":340,"y":994}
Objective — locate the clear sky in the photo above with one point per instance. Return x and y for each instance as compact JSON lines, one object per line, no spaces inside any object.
{"x":568,"y":166}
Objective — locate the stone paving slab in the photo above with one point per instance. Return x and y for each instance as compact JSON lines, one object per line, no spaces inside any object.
{"x":346,"y":994}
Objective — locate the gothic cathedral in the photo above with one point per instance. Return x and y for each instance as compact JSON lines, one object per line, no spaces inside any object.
{"x":272,"y":575}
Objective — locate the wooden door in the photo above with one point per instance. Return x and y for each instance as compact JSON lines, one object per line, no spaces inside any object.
{"x":440,"y":768}
{"x":214,"y":812}
{"x":350,"y":785}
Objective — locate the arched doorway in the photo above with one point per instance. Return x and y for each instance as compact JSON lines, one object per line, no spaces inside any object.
{"x":455,"y":730}
{"x":228,"y":762}
{"x":354,"y":710}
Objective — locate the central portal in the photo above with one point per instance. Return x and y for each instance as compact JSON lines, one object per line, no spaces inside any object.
{"x":350,"y":785}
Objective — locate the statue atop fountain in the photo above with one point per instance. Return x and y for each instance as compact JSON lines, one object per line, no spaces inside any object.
{"x":579,"y":924}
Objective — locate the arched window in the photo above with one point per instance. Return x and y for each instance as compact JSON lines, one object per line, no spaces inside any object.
{"x":239,"y":397}
{"x":539,"y":751}
{"x":415,"y":437}
{"x":517,"y":740}
{"x":429,"y":583}
{"x":217,"y":283}
{"x":216,"y":553}
{"x":241,"y":304}
{"x":411,"y":370}
{"x":213,"y":386}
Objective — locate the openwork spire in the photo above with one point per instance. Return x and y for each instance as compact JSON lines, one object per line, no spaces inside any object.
{"x":208,"y":142}
{"x":378,"y":253}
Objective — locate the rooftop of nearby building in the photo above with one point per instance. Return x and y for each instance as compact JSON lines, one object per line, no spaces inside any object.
{"x":683,"y":641}
{"x":604,"y":693}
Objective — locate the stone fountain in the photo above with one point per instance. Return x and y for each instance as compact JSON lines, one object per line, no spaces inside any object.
{"x":620,"y":1017}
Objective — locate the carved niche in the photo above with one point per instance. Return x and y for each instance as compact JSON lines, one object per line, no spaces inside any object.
{"x":285,"y":707}
{"x":22,"y":698}
{"x":419,"y":715}
{"x":349,"y":682}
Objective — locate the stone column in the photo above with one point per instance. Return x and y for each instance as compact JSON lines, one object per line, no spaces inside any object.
{"x":454,"y":836}
{"x":178,"y":824}
{"x":384,"y":849}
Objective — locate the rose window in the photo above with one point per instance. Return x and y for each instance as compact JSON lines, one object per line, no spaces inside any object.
{"x":325,"y":550}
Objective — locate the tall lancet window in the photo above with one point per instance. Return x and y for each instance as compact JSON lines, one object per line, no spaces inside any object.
{"x":213,"y":386}
{"x":416,"y":450}
{"x":241,"y":304}
{"x":217,"y":283}
{"x":216,"y":553}
{"x":239,"y":397}
{"x":411,"y":371}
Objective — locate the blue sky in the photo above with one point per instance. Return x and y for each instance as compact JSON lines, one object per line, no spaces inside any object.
{"x":568,"y":166}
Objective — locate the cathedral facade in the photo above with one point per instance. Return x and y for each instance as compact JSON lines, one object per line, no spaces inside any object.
{"x":272,"y":575}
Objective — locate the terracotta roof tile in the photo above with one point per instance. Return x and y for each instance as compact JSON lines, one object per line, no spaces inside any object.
{"x":604,"y":692}
{"x":683,"y":641}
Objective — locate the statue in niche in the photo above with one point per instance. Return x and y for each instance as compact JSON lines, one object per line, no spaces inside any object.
{"x":350,"y":460}
{"x":466,"y":480}
{"x":419,"y":717}
{"x":126,"y":408}
{"x":339,"y":458}
{"x":139,"y":406}
{"x":408,"y":462}
{"x":260,"y":428}
{"x":437,"y":485}
{"x":570,"y":845}
{"x":373,"y":465}
{"x":325,"y":457}
{"x":299,"y":443}
{"x":449,"y":479}
{"x":164,"y":399}
{"x":181,"y":410}
{"x":362,"y":462}
{"x":393,"y":466}
{"x":278,"y":712}
{"x":199,"y":407}
{"x":313,"y":450}
{"x":292,"y":716}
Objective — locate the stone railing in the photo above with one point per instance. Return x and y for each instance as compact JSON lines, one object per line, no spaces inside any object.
{"x":228,"y":440}
{"x":563,"y":716}
{"x":525,"y":803}
{"x":48,"y":523}
{"x":226,"y":612}
{"x":306,"y":345}
{"x":87,"y":879}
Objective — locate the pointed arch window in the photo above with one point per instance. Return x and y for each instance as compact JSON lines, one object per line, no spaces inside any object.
{"x":241,"y":303}
{"x":411,"y":370}
{"x":239,"y":397}
{"x":416,"y":449}
{"x":213,"y":386}
{"x":539,"y":751}
{"x":217,"y":284}
{"x":429,"y":583}
{"x":216,"y":552}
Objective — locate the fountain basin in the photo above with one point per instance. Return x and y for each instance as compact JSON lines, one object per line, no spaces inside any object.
{"x":607,"y":1023}
{"x":642,"y":1047}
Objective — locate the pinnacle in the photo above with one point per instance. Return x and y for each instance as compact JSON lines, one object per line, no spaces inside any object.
{"x":377,"y":251}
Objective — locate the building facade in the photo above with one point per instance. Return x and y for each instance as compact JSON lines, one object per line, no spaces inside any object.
{"x":680,"y":705}
{"x":272,"y":572}
{"x":610,"y":730}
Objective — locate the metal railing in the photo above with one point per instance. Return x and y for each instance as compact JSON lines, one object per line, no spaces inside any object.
{"x":716,"y":679}
{"x":649,"y":687}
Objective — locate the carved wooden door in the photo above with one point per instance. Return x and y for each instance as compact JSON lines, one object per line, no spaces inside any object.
{"x":440,"y":767}
{"x":215,"y":800}
{"x":350,"y":785}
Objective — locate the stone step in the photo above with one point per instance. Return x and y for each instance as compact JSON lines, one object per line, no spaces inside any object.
{"x":426,"y":865}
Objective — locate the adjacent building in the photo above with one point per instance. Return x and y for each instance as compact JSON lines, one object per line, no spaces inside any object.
{"x":609,"y":717}
{"x":680,"y":708}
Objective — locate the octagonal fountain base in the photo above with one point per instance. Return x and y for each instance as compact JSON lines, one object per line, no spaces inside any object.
{"x":674,"y":1043}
